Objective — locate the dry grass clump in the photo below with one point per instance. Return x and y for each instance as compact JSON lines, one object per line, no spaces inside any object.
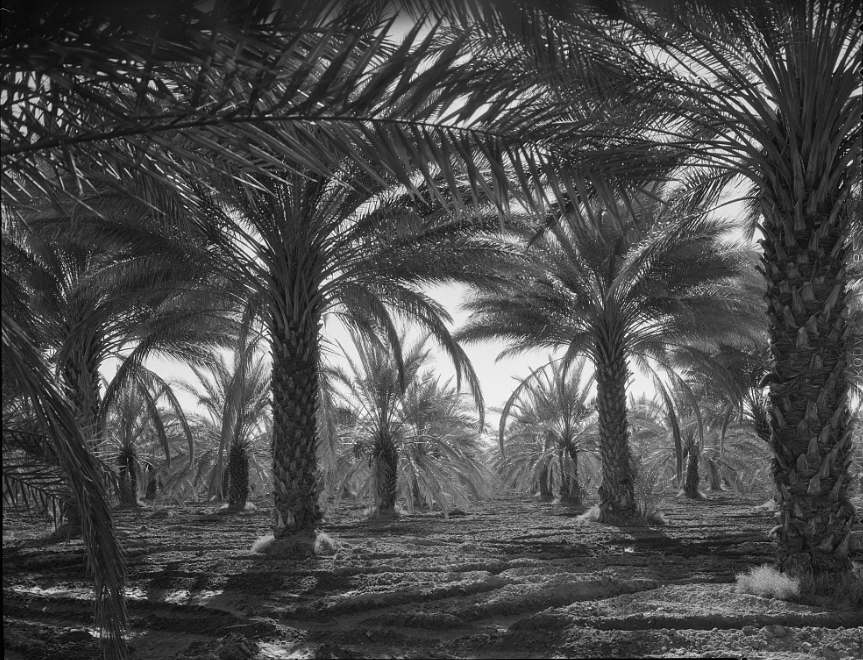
{"x":642,"y":519}
{"x":296,"y":547}
{"x":768,"y":582}
{"x":325,"y":545}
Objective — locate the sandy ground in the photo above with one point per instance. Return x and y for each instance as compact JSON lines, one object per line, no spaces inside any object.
{"x":513,"y":578}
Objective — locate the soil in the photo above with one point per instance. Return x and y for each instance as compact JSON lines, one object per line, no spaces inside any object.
{"x":513,"y":578}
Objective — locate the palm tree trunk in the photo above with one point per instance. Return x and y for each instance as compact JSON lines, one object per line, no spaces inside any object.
{"x":804,"y":264}
{"x":128,"y":479}
{"x":81,"y":375}
{"x":570,"y":489}
{"x":617,"y":491}
{"x":545,"y":489}
{"x":238,"y":481}
{"x":385,"y":459}
{"x":295,"y":385}
{"x":690,"y":484}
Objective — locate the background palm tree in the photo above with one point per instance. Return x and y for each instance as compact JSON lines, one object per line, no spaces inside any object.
{"x":616,"y":290}
{"x":25,"y":370}
{"x":136,"y":421}
{"x":553,"y":422}
{"x":410,"y":436}
{"x":235,"y":397}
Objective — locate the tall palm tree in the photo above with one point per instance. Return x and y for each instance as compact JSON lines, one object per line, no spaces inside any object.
{"x":310,"y":245}
{"x":412,"y":436}
{"x":616,"y":290}
{"x":772,"y":92}
{"x":235,"y":399}
{"x":764,"y":93}
{"x":552,"y":425}
{"x":135,"y":418}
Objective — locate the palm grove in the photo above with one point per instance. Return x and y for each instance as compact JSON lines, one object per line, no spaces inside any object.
{"x":269,"y":165}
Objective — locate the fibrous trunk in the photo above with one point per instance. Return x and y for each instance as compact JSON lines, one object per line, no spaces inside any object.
{"x":128,"y":479}
{"x":690,"y":484}
{"x":545,"y":487}
{"x":570,"y":489}
{"x":81,"y":376}
{"x":804,"y":264}
{"x":295,"y":399}
{"x":238,"y":469}
{"x":617,"y":491}
{"x":385,"y":463}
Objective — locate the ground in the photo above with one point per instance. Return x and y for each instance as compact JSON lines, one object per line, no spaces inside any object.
{"x":512,"y":578}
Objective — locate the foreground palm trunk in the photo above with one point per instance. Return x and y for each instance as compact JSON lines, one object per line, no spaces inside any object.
{"x":385,"y":459}
{"x":617,"y":491}
{"x":810,"y":436}
{"x":690,"y":483}
{"x":81,"y":375}
{"x":570,"y":489}
{"x":238,"y":480}
{"x":295,"y":398}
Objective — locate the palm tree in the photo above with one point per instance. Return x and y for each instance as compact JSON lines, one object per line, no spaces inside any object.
{"x":135,"y":419}
{"x":25,"y":371}
{"x":312,"y":245}
{"x":614,"y":291}
{"x":235,"y":398}
{"x":92,"y":291}
{"x":553,"y":424}
{"x":771,"y":90}
{"x":411,"y":436}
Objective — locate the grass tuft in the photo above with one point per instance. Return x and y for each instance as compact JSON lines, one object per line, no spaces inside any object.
{"x":296,"y":547}
{"x":262,"y":544}
{"x":768,"y":582}
{"x":325,"y":545}
{"x":644,"y":518}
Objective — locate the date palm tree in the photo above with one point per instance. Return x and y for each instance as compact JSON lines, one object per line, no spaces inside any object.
{"x":772,"y":94}
{"x":62,"y":443}
{"x":137,"y":417}
{"x":410,"y":436}
{"x":616,"y":290}
{"x":309,"y":246}
{"x":235,"y":396}
{"x":552,"y":424}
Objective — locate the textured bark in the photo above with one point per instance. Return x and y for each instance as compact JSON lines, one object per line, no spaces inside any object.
{"x":238,"y":483}
{"x":545,"y":489}
{"x":690,"y":483}
{"x":385,"y":463}
{"x":804,"y":264}
{"x":128,"y":479}
{"x":152,"y":483}
{"x":570,"y":489}
{"x":617,"y":491}
{"x":295,"y":399}
{"x":81,"y":376}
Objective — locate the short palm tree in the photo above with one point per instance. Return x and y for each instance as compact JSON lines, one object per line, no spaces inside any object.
{"x":235,"y":397}
{"x":135,"y":420}
{"x":616,"y":286}
{"x":553,"y":422}
{"x":411,"y":437}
